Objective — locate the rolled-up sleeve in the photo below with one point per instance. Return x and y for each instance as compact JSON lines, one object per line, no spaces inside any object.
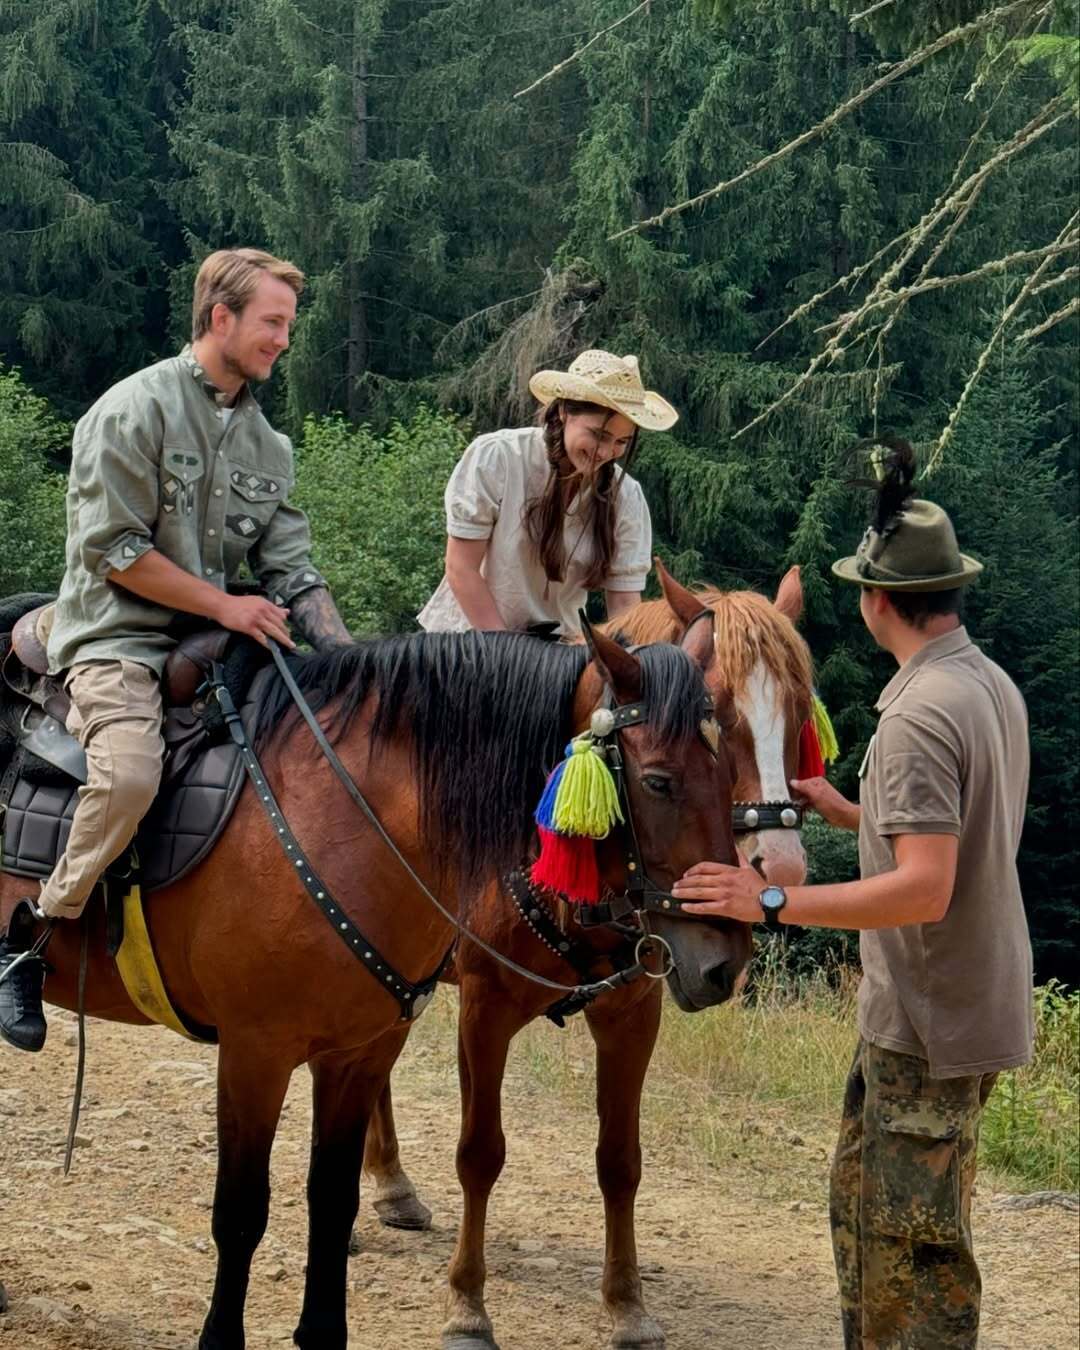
{"x":632,"y":557}
{"x":114,"y":473}
{"x":476,"y":489}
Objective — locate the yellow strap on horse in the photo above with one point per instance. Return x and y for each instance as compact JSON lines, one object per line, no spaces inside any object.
{"x":139,"y":971}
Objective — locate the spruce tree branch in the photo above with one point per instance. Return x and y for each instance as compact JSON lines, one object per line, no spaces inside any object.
{"x":984,"y":356}
{"x":894,"y":72}
{"x":581,"y":50}
{"x":1018,"y":259}
{"x":462,"y":324}
{"x":1058,"y":316}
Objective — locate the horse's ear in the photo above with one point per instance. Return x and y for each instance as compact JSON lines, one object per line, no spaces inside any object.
{"x":698,"y":640}
{"x":789,"y":595}
{"x":685,"y":605}
{"x":618,"y":667}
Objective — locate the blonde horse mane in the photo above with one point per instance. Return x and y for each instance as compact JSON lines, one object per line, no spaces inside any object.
{"x":749,"y":628}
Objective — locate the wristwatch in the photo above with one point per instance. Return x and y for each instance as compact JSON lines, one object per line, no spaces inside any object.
{"x":772,"y":900}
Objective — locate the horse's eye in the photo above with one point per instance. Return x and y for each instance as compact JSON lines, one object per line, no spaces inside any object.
{"x":658,"y":783}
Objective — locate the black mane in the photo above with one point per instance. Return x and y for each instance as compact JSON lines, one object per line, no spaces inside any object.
{"x":489,"y":715}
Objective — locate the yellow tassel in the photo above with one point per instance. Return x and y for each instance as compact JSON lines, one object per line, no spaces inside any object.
{"x":586,"y":802}
{"x":826,"y":734}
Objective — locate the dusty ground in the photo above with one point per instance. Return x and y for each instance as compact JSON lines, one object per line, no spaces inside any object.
{"x":117,"y":1257}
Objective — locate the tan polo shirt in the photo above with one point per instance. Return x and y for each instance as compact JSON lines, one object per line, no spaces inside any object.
{"x":950,"y":757}
{"x":486,"y":498}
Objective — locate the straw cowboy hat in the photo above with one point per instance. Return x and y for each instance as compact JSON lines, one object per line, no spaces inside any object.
{"x":610,"y":381}
{"x":917,"y":553}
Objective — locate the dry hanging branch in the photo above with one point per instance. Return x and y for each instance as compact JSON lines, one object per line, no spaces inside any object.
{"x":953,"y":198}
{"x":1058,"y":316}
{"x":962,"y":278}
{"x":1069,"y":274}
{"x":850,"y":279}
{"x":865,"y":13}
{"x":947,"y":203}
{"x":950,"y":234}
{"x":837,"y":115}
{"x":581,"y":50}
{"x":1022,"y":294}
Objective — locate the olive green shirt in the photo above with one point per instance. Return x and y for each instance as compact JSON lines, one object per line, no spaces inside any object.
{"x":159,"y":463}
{"x":950,"y":757}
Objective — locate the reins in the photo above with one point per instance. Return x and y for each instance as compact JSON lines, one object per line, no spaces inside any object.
{"x":412,"y":997}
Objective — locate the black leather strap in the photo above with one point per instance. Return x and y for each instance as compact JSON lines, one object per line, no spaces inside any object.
{"x":749,"y":817}
{"x":412,"y":998}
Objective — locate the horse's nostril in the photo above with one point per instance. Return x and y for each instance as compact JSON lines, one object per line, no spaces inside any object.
{"x":720,"y":977}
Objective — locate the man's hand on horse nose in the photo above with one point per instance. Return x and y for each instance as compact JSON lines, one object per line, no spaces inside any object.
{"x":258,"y":618}
{"x":721,"y":890}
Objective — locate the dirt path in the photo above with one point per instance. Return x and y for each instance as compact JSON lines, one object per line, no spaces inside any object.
{"x":118,"y":1257}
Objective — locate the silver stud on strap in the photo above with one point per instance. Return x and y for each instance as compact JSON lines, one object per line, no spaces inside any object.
{"x":789,"y":817}
{"x":751,"y":819}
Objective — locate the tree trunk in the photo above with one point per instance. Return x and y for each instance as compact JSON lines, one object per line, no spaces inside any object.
{"x":357,"y":362}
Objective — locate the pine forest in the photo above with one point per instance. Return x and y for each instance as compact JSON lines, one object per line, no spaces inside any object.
{"x":814,"y":221}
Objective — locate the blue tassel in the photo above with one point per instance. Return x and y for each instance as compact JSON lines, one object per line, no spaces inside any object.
{"x":545,"y":812}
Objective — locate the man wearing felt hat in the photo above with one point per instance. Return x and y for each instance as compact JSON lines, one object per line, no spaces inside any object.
{"x":945,"y":1000}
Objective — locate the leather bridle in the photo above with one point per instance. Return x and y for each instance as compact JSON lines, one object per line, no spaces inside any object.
{"x":641,"y":897}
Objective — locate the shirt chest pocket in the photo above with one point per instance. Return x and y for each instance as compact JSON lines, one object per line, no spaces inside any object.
{"x":182,"y":471}
{"x":254,"y":495}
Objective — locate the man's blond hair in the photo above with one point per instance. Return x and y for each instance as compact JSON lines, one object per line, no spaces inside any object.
{"x":229,"y":277}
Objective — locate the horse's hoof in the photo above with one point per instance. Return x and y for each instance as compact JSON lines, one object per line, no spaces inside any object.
{"x":461,"y":1340}
{"x":3,"y":1299}
{"x":404,"y":1212}
{"x":354,"y":1243}
{"x":640,"y":1334}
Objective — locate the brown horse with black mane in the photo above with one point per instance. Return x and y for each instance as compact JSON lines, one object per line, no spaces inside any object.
{"x":760,"y":681}
{"x":449,"y":737}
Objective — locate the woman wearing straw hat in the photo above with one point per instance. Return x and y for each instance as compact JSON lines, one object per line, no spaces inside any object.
{"x":539,"y":516}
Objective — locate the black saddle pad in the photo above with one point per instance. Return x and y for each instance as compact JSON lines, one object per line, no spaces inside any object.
{"x":179,"y":831}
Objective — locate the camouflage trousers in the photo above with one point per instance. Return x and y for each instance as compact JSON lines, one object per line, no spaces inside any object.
{"x":900,"y":1204}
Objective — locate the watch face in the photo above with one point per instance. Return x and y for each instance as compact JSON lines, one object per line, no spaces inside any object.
{"x":773,"y":897}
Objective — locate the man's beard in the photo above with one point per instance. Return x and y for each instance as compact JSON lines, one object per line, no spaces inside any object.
{"x":235,"y":366}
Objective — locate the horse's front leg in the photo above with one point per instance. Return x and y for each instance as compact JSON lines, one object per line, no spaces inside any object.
{"x":251,"y":1088}
{"x":345,"y":1090}
{"x":395,"y":1199}
{"x":624,"y":1038}
{"x":486,"y":1026}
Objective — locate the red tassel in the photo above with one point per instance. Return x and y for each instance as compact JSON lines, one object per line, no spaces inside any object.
{"x":811,"y":761}
{"x":567,"y":865}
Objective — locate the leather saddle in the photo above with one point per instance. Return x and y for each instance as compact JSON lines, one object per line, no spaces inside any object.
{"x":202,"y":775}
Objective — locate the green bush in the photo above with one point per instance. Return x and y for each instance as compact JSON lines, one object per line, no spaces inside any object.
{"x":832,"y":855}
{"x":376,"y":509}
{"x":1029,"y":1127}
{"x":31,"y":494}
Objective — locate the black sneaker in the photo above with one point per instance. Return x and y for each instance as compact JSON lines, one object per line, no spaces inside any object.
{"x":22,"y":1022}
{"x":22,"y":975}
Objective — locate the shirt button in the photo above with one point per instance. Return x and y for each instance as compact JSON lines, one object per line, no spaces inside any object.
{"x":211,"y":533}
{"x":217,"y":492}
{"x":209,"y":571}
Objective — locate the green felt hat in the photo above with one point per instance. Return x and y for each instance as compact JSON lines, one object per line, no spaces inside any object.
{"x":918,"y":552}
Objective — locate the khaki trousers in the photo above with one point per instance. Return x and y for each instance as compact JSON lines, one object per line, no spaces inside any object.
{"x":116,"y":717}
{"x":900,"y":1204}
